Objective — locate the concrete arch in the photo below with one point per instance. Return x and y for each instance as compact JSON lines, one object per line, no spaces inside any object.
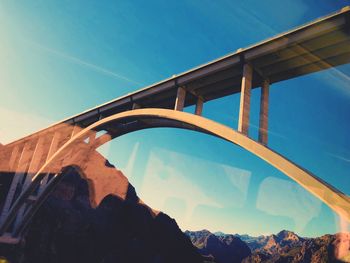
{"x":335,"y":199}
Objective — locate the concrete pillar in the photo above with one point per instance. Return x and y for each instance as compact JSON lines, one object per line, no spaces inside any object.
{"x":54,"y":144}
{"x":199,"y":106}
{"x":180,"y":99}
{"x":76,"y":129}
{"x":244,"y":107}
{"x":33,"y":168}
{"x":36,"y":160}
{"x":264,"y":109}
{"x":53,"y":148}
{"x":14,"y":156}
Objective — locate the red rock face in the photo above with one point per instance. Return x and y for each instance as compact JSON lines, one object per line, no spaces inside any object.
{"x":94,"y":215}
{"x":91,"y":165}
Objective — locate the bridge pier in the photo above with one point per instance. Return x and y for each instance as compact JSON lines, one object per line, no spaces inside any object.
{"x":264,"y":109}
{"x":14,"y":157}
{"x":244,"y":106}
{"x":180,"y":99}
{"x":76,"y":129}
{"x":36,"y":160}
{"x":52,"y":149}
{"x":34,"y":166}
{"x":199,"y":106}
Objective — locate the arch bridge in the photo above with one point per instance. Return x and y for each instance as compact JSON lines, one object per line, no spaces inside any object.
{"x":33,"y":163}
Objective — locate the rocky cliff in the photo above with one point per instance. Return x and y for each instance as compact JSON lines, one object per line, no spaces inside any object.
{"x":221,"y":248}
{"x":67,"y":228}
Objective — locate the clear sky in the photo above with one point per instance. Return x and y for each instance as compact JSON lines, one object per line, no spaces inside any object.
{"x":58,"y":58}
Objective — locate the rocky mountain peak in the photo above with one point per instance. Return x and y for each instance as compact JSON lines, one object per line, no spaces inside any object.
{"x":223,"y":248}
{"x":287,"y":235}
{"x":118,"y":227}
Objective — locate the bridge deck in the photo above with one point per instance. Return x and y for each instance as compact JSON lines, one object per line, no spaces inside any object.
{"x":315,"y":46}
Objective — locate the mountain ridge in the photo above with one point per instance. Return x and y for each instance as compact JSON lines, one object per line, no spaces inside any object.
{"x":284,"y":246}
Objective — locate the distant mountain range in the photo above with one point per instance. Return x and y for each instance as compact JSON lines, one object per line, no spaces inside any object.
{"x":285,"y":246}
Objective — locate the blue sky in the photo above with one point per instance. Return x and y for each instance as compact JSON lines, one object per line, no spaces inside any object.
{"x":58,"y":58}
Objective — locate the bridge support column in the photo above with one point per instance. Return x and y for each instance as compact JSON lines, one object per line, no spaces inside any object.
{"x":53,"y":148}
{"x":244,"y":107}
{"x":34,"y":166}
{"x":264,"y":109}
{"x":14,"y":156}
{"x":180,"y":99}
{"x":76,"y":129}
{"x":199,"y":106}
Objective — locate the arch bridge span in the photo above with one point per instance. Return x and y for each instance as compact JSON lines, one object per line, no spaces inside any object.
{"x":34,"y":162}
{"x":150,"y":118}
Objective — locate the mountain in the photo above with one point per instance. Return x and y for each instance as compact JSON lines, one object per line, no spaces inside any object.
{"x":121,"y":228}
{"x":327,"y":248}
{"x":285,"y":246}
{"x":273,"y":244}
{"x":219,"y":248}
